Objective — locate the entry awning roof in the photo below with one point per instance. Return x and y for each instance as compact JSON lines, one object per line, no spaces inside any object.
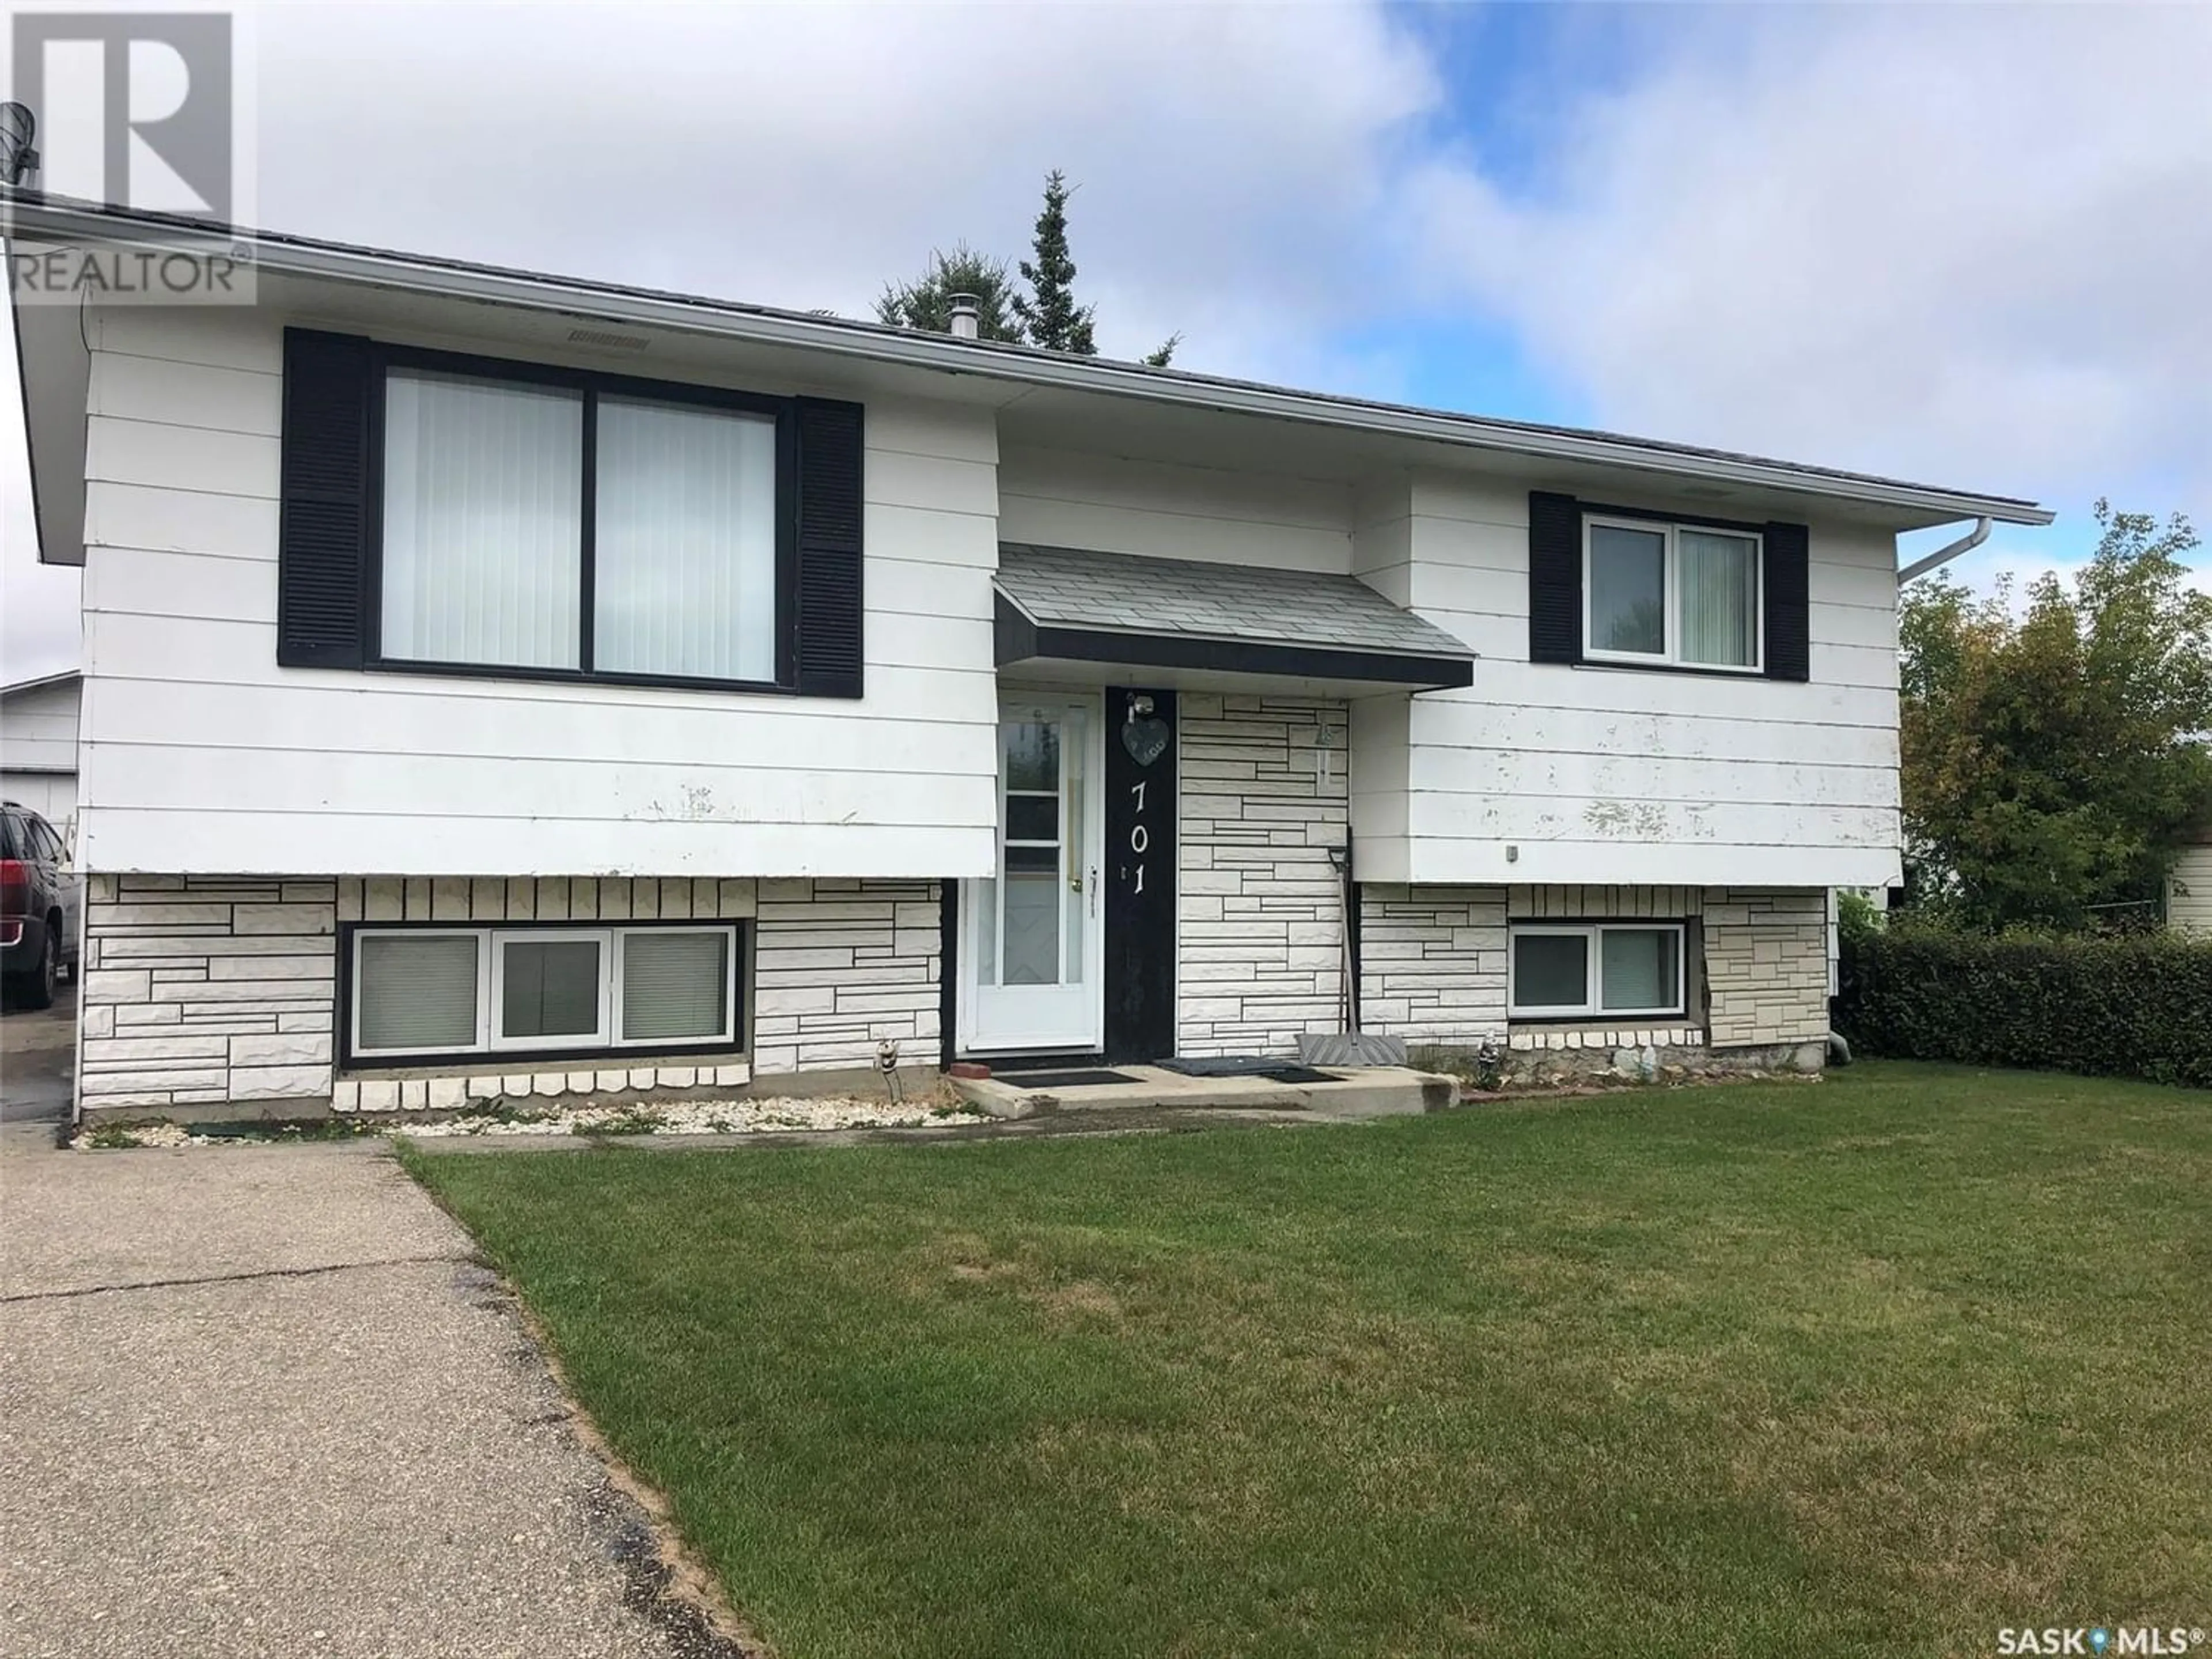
{"x":1064,"y":605}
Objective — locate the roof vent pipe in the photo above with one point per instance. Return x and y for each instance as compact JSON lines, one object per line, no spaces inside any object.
{"x":967,"y":315}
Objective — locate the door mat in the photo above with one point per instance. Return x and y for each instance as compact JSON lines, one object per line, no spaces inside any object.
{"x":1063,"y":1080}
{"x":1261,"y":1065}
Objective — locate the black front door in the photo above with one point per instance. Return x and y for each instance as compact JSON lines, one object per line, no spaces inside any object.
{"x":1140,"y":874}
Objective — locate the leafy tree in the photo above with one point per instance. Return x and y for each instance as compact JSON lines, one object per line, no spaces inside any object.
{"x":2053,"y":760}
{"x":1050,"y":315}
{"x":926,"y":303}
{"x":1046,"y":316}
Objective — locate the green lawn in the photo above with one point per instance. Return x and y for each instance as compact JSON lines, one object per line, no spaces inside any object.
{"x":1877,"y":1366}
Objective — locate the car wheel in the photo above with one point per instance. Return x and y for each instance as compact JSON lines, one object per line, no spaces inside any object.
{"x":37,"y":990}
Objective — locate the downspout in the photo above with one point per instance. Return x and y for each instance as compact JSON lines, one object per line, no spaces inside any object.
{"x":1942,"y":556}
{"x":1838,"y":1050}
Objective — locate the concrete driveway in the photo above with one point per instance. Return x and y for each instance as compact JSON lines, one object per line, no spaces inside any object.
{"x":38,"y":1065}
{"x":259,"y":1400}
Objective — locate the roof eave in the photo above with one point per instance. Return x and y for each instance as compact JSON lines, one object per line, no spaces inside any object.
{"x":843,"y":337}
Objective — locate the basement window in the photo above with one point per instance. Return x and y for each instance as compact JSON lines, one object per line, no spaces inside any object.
{"x":553,"y":991}
{"x":1569,"y":971}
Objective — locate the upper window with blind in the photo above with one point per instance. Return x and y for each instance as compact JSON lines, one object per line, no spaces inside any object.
{"x":1625,"y":588}
{"x":470,"y":515}
{"x":551,"y":990}
{"x":1672,"y":594}
{"x":542,"y":526}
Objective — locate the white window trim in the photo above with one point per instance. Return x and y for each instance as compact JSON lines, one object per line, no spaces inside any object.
{"x":491,"y":980}
{"x":1593,"y":970}
{"x":497,"y":1040}
{"x":482,"y":939}
{"x":1671,"y":576}
{"x":732,"y":964}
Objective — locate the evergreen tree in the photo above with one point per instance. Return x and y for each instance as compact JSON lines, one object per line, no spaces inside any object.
{"x":1050,"y":314}
{"x":926,"y":303}
{"x":1046,"y":316}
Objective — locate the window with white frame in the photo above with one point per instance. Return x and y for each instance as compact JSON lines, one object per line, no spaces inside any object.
{"x":444,"y":991}
{"x":1681,"y":594}
{"x":1564,"y":970}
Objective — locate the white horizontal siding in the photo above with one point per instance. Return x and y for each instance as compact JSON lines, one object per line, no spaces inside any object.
{"x":201,"y":755}
{"x":157,"y":389}
{"x":38,"y":728}
{"x":2189,"y":892}
{"x":1550,"y":773}
{"x":52,"y":795}
{"x":1689,"y":781}
{"x":1060,"y":498}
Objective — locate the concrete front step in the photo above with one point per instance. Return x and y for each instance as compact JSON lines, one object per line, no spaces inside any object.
{"x":1353,"y":1091}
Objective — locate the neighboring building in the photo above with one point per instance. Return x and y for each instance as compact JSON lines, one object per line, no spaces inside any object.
{"x":38,"y":746}
{"x":2189,"y":890}
{"x":500,"y":682}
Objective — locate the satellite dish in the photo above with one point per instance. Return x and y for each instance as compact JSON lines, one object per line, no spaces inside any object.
{"x":17,"y":159}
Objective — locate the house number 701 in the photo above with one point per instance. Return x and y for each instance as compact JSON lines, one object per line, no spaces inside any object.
{"x":1139,"y":837}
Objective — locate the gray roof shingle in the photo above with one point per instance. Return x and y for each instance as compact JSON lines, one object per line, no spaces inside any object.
{"x":1072,"y":587}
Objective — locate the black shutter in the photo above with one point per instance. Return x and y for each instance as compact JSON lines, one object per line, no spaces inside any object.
{"x":1555,"y":578}
{"x":1787,"y":584}
{"x":830,"y":556}
{"x":322,"y":525}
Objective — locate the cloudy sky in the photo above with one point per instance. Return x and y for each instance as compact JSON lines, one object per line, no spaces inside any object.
{"x":1969,"y":246}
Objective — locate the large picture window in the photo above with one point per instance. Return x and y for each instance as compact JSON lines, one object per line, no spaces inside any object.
{"x":1564,"y":971}
{"x":553,"y":990}
{"x":1678,"y":594}
{"x":571,"y":525}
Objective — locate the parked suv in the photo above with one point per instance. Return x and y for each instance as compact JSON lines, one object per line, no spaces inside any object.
{"x":38,"y":906}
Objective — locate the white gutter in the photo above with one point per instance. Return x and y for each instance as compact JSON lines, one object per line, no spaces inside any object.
{"x":1950,"y":550}
{"x":39,"y":218}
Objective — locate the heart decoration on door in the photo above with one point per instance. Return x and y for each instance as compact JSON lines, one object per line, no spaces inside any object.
{"x":1146,"y":736}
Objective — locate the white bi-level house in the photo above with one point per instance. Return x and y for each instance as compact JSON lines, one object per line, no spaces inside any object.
{"x":499,"y":683}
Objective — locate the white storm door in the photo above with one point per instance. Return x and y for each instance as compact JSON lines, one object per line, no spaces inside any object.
{"x":1033,"y":950}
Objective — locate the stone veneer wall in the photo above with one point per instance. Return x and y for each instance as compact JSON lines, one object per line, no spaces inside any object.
{"x":840,"y":966}
{"x":1766,"y":965}
{"x":1260,"y":949}
{"x":200,"y":990}
{"x":1432,"y":965}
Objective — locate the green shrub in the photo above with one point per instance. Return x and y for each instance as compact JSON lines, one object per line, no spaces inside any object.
{"x":2121,"y":1006}
{"x":1856,"y":916}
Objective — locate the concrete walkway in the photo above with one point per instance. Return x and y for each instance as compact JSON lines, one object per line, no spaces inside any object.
{"x":259,"y":1400}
